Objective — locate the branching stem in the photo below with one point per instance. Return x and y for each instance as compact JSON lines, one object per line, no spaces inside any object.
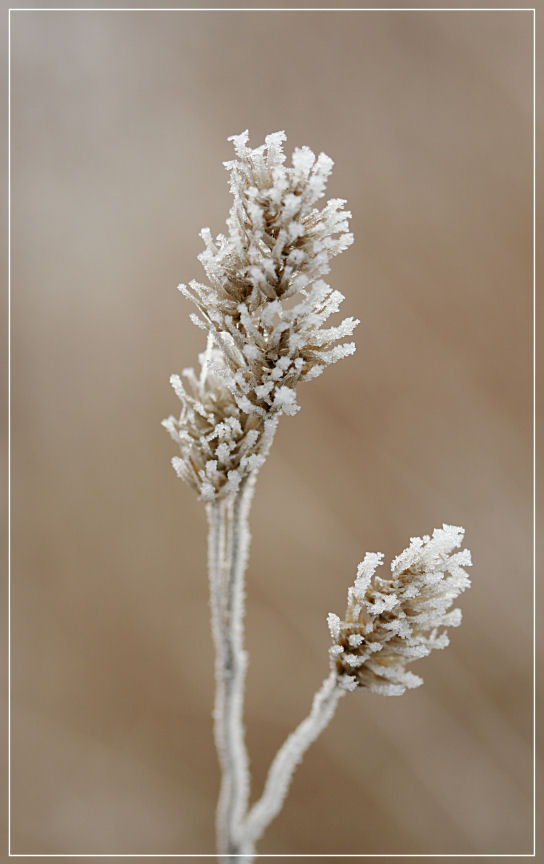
{"x":228,"y":547}
{"x":286,"y":760}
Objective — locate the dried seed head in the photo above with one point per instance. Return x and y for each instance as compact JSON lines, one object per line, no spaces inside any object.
{"x":264,"y":311}
{"x":391,"y":622}
{"x":217,"y":451}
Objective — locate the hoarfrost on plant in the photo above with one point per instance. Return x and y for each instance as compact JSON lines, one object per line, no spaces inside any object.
{"x":264,"y":308}
{"x":392,"y":621}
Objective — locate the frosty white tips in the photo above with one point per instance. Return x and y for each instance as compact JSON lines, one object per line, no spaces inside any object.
{"x":264,"y":309}
{"x":392,"y":621}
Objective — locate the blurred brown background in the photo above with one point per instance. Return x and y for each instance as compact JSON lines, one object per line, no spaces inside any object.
{"x":118,"y":128}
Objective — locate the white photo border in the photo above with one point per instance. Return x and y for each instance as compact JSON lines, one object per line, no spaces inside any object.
{"x":531,"y":10}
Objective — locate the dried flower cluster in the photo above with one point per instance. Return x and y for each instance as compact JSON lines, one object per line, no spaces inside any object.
{"x":391,"y":622}
{"x":264,"y":310}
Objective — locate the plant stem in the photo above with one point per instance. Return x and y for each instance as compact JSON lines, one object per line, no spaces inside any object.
{"x":286,"y":760}
{"x":228,"y":545}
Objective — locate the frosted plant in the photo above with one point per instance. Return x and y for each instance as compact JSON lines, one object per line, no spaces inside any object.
{"x":265,"y":311}
{"x":392,"y":621}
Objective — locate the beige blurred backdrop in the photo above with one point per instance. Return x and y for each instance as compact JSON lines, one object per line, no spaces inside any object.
{"x":119,"y":124}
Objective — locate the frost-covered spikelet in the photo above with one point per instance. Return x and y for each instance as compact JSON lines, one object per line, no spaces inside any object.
{"x":391,"y":622}
{"x":264,"y":311}
{"x":218,"y":443}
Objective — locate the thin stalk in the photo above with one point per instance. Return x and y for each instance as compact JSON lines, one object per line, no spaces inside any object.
{"x":286,"y":760}
{"x":228,"y":545}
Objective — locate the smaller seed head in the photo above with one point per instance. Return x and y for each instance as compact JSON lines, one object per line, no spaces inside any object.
{"x":390,"y":622}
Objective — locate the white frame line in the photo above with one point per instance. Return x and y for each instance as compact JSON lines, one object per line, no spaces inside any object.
{"x":534,"y":433}
{"x":274,"y":9}
{"x":279,"y":9}
{"x":9,"y":432}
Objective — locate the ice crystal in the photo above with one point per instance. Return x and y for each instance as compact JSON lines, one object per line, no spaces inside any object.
{"x":264,"y":308}
{"x":392,"y":621}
